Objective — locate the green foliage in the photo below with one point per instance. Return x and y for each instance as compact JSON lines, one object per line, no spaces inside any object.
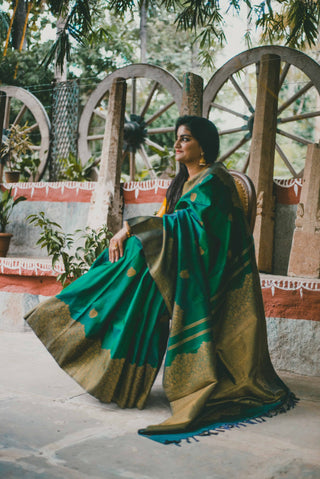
{"x":111,"y":44}
{"x":29,"y":71}
{"x":293,"y":22}
{"x":16,"y":153}
{"x":28,"y":167}
{"x":296,"y":23}
{"x":60,"y":245}
{"x":73,"y":170}
{"x":4,"y":25}
{"x":7,"y":203}
{"x":16,"y":148}
{"x":164,"y":161}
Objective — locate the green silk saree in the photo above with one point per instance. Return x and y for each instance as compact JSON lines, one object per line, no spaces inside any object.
{"x":111,"y":328}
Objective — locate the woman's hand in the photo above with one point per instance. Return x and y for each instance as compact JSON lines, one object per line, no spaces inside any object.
{"x":116,"y":243}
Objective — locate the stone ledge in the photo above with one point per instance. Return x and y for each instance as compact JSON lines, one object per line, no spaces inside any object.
{"x":29,"y":275}
{"x":29,"y":267}
{"x":64,"y":191}
{"x":291,"y":297}
{"x":134,"y":192}
{"x":284,"y":297}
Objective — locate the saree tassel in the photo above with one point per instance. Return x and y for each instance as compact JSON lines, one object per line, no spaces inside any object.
{"x":216,"y":429}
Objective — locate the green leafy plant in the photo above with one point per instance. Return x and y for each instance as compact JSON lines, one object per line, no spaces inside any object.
{"x":17,"y":154}
{"x":16,"y":147}
{"x":164,"y":161}
{"x":7,"y":203}
{"x":73,"y":170}
{"x":29,"y":167}
{"x":60,"y":246}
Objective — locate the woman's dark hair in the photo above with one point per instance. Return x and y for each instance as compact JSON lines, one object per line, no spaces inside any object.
{"x":205,"y":132}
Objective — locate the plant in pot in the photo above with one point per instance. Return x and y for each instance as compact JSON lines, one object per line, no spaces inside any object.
{"x":7,"y":203}
{"x":16,"y":150}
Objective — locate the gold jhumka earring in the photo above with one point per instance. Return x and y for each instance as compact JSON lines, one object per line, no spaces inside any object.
{"x":202,"y":161}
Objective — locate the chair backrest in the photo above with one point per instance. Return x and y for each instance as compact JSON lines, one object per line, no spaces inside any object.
{"x":247,"y":194}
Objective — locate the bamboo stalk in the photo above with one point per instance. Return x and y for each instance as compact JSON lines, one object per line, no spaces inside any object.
{"x":23,"y":35}
{"x":10,"y":28}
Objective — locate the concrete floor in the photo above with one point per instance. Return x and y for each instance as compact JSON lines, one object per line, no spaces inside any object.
{"x":50,"y":428}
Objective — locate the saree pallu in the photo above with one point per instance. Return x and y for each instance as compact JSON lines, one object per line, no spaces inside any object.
{"x":112,"y":344}
{"x":109,"y":329}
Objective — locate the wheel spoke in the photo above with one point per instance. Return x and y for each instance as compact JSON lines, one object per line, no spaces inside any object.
{"x":100,"y":113}
{"x":155,"y":145}
{"x":132,"y":164}
{"x":295,"y":97}
{"x":134,"y":96}
{"x":241,"y":93}
{"x":244,"y":140}
{"x":159,"y":113}
{"x":300,"y":174}
{"x":148,"y":100}
{"x":6,"y":119}
{"x":156,"y":131}
{"x":297,"y":138}
{"x":283,"y":74}
{"x":146,"y":161}
{"x":124,"y":155}
{"x":228,"y":110}
{"x":286,"y":161}
{"x":303,"y":116}
{"x":31,"y":128}
{"x":95,"y":137}
{"x":246,"y":164}
{"x":233,"y":130}
{"x":20,"y":115}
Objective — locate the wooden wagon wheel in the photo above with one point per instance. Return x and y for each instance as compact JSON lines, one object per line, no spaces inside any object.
{"x":151,"y":93}
{"x":229,"y":101}
{"x":22,"y":108}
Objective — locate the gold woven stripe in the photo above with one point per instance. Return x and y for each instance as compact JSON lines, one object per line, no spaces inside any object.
{"x":190,"y":326}
{"x":186,"y":340}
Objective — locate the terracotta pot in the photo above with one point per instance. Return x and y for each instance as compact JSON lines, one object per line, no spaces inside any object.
{"x":4,"y":243}
{"x":12,"y":176}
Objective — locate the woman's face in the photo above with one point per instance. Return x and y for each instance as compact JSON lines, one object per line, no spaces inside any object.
{"x":188,"y":149}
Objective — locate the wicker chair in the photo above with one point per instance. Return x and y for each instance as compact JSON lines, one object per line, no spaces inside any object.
{"x":247,"y":194}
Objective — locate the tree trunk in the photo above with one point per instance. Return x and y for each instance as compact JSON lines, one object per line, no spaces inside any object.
{"x":18,"y":24}
{"x":143,"y":32}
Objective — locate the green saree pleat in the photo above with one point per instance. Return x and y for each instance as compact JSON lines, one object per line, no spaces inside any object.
{"x":108,"y":329}
{"x":217,"y":366}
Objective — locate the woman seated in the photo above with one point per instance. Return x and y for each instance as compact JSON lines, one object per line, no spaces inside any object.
{"x":184,"y":284}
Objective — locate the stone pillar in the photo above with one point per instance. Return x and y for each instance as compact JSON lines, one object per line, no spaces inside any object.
{"x":106,"y":204}
{"x":305,"y":250}
{"x":192,"y":92}
{"x":262,"y":157}
{"x":3,"y":98}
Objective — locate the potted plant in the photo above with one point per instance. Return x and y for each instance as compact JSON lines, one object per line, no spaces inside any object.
{"x":7,"y":203}
{"x":15,"y":151}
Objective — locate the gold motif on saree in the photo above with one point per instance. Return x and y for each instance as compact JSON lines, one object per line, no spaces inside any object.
{"x":193,"y":197}
{"x":184,"y":274}
{"x":93,"y":313}
{"x":193,"y":370}
{"x":201,"y":250}
{"x":84,"y":359}
{"x":131,"y":272}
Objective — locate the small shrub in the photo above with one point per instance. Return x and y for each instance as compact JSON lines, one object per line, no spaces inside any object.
{"x":59,"y":245}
